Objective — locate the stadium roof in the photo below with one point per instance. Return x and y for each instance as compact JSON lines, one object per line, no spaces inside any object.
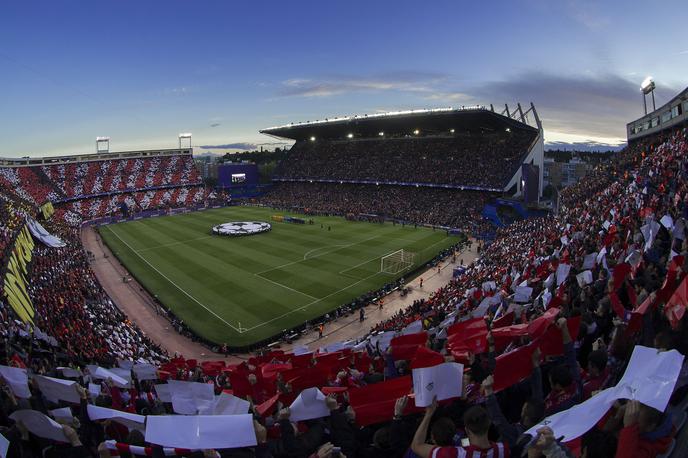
{"x":435,"y":121}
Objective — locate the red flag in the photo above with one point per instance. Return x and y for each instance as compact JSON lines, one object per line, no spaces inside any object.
{"x":16,"y":361}
{"x":267,"y":406}
{"x":618,"y":307}
{"x":333,"y":389}
{"x":551,"y":343}
{"x":425,"y":357}
{"x":375,"y":403}
{"x":470,"y":335}
{"x":504,"y":320}
{"x":404,"y":347}
{"x":512,"y":367}
{"x":620,"y":273}
{"x":636,"y":320}
{"x":468,"y":328}
{"x":676,"y":306}
{"x":301,"y":360}
{"x":539,"y":325}
{"x":504,"y":336}
{"x":309,"y":377}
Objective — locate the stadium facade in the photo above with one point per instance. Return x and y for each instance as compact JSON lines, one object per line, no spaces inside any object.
{"x":672,"y":114}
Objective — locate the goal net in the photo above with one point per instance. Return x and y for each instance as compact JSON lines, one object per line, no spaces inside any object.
{"x":397,"y":262}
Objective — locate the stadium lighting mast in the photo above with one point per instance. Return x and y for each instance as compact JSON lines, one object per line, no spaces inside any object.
{"x":648,"y":87}
{"x":102,"y":140}
{"x":184,"y":135}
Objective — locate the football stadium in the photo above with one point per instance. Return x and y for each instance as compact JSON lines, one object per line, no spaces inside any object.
{"x":424,"y":281}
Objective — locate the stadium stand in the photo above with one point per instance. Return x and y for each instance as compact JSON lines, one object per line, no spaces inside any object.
{"x":494,"y":158}
{"x":555,"y":310}
{"x":94,"y":189}
{"x":434,"y":206}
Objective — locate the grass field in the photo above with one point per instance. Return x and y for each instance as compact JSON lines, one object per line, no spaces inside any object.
{"x":246,"y":289}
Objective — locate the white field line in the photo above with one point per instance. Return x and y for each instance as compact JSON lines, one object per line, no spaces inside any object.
{"x":305,"y":256}
{"x":285,"y":286}
{"x":342,"y":272}
{"x":240,"y":331}
{"x":301,"y":309}
{"x":317,"y":256}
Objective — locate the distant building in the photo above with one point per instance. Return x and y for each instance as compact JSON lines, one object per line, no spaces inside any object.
{"x":208,"y":169}
{"x":564,"y":168}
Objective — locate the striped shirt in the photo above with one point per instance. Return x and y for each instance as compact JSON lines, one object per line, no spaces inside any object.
{"x":497,"y":450}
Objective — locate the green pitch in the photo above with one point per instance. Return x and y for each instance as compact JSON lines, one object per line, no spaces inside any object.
{"x":242,"y":290}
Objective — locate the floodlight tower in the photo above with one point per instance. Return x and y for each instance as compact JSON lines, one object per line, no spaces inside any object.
{"x":648,"y":87}
{"x":102,"y":140}
{"x":184,"y":135}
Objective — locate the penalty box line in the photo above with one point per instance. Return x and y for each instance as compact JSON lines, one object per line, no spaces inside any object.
{"x":239,"y":330}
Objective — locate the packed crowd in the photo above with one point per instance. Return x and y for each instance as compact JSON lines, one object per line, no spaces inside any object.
{"x":487,"y":161}
{"x":88,"y":178}
{"x":436,"y":206}
{"x":28,"y":184}
{"x":580,"y":316}
{"x":98,"y":207}
{"x":97,"y":189}
{"x":70,"y":305}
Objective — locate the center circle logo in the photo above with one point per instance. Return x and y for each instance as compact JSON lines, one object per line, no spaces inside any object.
{"x":238,"y":228}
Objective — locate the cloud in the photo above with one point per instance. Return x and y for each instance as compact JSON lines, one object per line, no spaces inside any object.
{"x":239,"y":145}
{"x":408,"y":81}
{"x":215,"y":124}
{"x":590,"y":105}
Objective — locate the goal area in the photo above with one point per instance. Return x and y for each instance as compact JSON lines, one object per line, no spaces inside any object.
{"x":397,"y":262}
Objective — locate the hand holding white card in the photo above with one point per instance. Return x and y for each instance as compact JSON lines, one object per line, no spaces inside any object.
{"x":17,"y":380}
{"x":39,"y":424}
{"x":308,"y":405}
{"x":55,"y":389}
{"x":130,"y":420}
{"x":443,"y":381}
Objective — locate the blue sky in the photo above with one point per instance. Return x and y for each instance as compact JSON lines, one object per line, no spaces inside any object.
{"x":143,"y":71}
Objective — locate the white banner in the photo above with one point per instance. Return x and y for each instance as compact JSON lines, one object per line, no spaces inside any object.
{"x":39,"y":232}
{"x":190,"y":398}
{"x":649,"y":378}
{"x":201,"y":431}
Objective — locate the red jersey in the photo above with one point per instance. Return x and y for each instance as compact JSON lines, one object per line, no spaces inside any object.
{"x":497,"y":450}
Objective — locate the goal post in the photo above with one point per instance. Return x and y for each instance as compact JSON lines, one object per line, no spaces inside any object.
{"x":397,"y":262}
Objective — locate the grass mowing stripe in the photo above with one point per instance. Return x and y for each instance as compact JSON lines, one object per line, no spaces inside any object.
{"x":171,"y":282}
{"x":219,"y":272}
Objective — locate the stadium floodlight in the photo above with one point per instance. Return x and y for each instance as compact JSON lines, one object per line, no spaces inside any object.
{"x":184,"y":135}
{"x":416,"y":132}
{"x":102,"y":140}
{"x":648,"y":87}
{"x":312,"y":139}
